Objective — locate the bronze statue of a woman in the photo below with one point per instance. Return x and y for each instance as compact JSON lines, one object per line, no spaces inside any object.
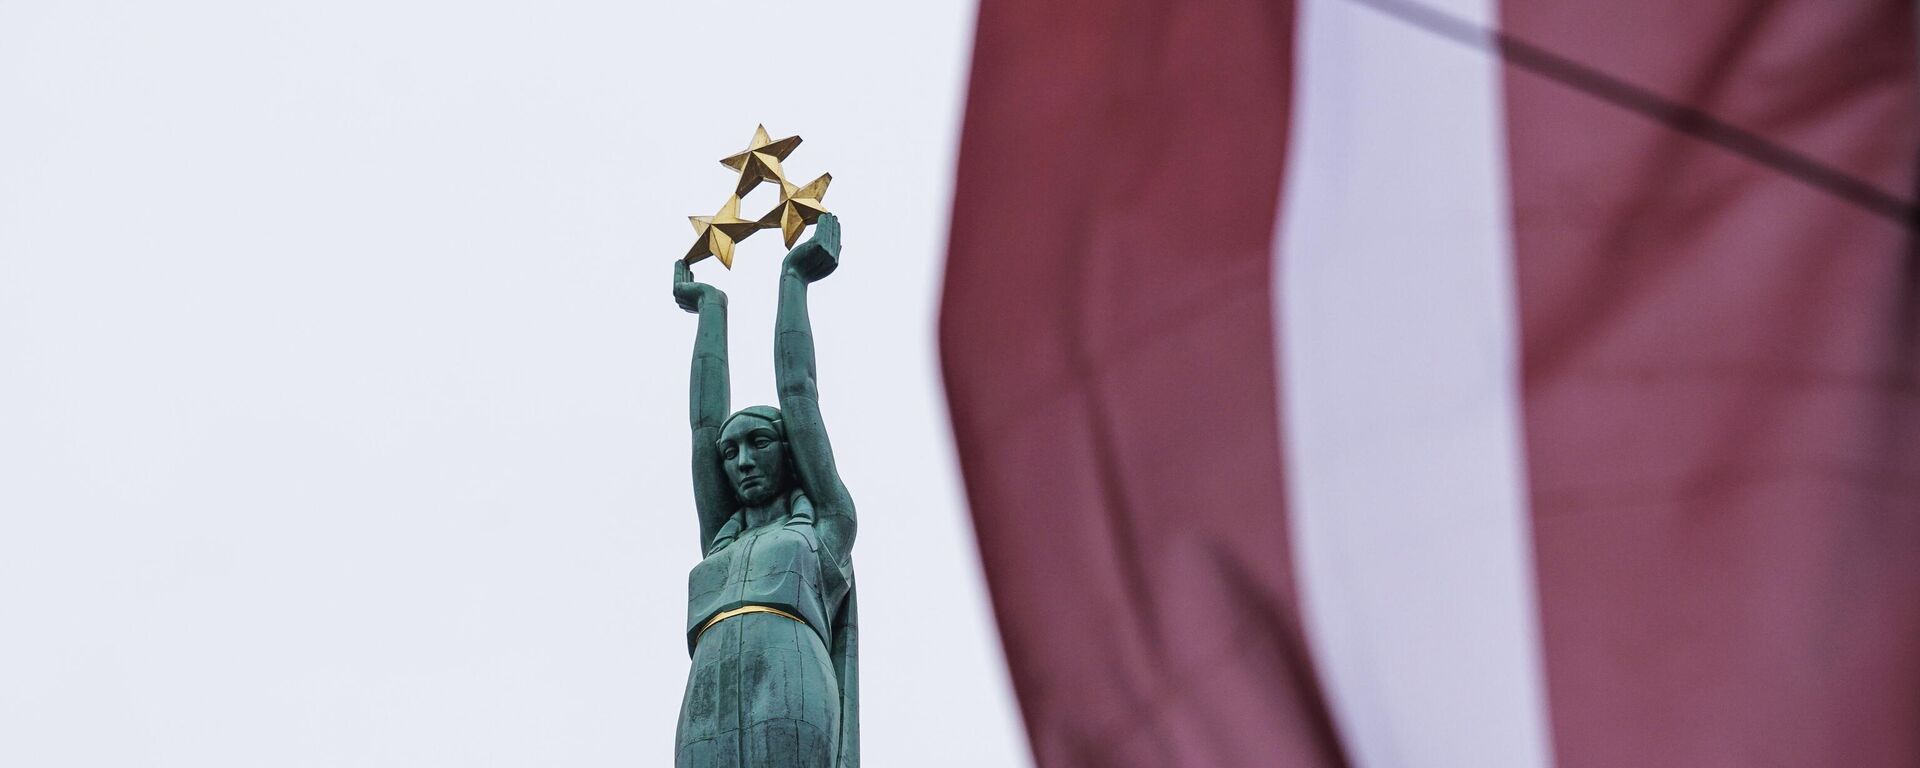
{"x":770,"y":610}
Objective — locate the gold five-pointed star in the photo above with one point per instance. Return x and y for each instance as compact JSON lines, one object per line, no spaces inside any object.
{"x":718,"y":233}
{"x":760,"y":161}
{"x":799,"y":206}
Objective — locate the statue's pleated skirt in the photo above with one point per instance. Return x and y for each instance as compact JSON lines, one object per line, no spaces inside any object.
{"x":762,"y":694}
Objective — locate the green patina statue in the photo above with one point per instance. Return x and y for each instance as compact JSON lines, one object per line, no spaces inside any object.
{"x":771,"y":621}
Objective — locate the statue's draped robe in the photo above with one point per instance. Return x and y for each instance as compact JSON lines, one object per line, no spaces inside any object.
{"x":762,"y":692}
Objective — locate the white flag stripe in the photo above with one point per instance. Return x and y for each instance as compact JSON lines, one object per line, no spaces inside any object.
{"x":1399,"y":394}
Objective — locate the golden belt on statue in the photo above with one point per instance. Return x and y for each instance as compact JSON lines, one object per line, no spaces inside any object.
{"x":742,"y":611}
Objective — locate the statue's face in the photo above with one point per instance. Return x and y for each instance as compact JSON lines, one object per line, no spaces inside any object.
{"x":756,"y":459}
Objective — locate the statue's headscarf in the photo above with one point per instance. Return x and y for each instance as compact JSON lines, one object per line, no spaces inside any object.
{"x":767,"y":412}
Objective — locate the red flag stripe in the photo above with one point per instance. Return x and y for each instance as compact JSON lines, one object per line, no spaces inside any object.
{"x":1720,"y":356}
{"x":1105,"y":337}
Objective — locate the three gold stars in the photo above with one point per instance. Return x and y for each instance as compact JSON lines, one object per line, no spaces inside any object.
{"x":760,"y":161}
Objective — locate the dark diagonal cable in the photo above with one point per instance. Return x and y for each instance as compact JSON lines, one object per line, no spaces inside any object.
{"x":1679,"y":117}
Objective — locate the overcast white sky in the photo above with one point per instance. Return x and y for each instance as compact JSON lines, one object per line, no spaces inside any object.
{"x":342,"y":397}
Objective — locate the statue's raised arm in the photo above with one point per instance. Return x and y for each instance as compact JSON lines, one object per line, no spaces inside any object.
{"x":713,"y":496}
{"x":799,"y":394}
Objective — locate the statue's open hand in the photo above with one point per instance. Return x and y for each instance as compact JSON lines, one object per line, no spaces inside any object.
{"x":819,"y":256}
{"x":689,"y":294}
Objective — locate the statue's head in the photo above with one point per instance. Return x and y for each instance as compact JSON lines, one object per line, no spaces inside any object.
{"x":753,"y":448}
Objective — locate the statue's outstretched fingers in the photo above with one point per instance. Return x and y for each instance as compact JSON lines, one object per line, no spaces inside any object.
{"x":829,"y":229}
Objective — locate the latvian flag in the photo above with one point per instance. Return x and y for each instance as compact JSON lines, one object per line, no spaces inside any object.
{"x":1471,"y":383}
